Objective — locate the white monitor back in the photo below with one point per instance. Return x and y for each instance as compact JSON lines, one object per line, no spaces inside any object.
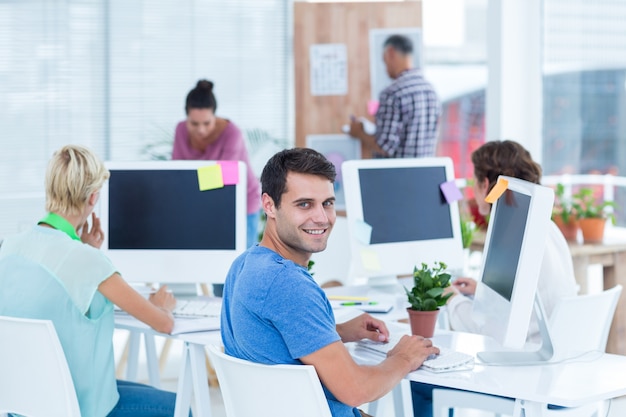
{"x":512,"y":257}
{"x":160,"y":227}
{"x":398,"y":216}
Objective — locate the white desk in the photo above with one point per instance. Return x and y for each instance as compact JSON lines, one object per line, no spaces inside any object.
{"x":192,"y":377}
{"x":591,"y":378}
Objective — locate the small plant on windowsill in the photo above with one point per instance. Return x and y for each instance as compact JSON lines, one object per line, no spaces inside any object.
{"x":592,"y":214}
{"x":426,"y":296}
{"x":564,"y":214}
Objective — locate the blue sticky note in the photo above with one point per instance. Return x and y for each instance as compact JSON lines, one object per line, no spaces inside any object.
{"x":363,"y":232}
{"x":451,"y":192}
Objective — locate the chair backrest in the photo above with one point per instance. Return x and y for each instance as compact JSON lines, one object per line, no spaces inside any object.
{"x":35,"y":380}
{"x":252,"y":389}
{"x":582,"y":323}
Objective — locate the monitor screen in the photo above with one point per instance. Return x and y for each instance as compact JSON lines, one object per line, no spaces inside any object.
{"x":501,"y":261}
{"x":512,"y":257}
{"x":398,"y":216}
{"x":161,"y":227}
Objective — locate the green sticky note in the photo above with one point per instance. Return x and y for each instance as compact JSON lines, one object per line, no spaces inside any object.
{"x":210,"y":177}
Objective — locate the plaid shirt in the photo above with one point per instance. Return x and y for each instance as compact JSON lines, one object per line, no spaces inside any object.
{"x":407,"y":117}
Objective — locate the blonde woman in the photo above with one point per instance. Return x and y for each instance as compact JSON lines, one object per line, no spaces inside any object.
{"x":56,"y":271}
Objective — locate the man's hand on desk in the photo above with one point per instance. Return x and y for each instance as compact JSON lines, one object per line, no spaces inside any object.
{"x":163,"y":299}
{"x":363,"y":327}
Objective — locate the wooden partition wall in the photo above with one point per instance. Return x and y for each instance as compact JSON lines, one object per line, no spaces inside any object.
{"x":340,"y":23}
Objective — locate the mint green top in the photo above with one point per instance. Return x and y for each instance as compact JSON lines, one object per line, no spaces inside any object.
{"x":45,"y":274}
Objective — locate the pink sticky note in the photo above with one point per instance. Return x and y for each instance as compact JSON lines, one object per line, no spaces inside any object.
{"x":372,"y":107}
{"x":451,"y":192}
{"x":230,"y":172}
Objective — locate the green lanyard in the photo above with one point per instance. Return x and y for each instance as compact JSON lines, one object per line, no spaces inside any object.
{"x":61,"y":224}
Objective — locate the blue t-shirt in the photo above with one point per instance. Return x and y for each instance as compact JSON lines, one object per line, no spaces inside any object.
{"x":273,"y":312}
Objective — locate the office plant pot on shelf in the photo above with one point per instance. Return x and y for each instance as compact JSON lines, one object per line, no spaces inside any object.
{"x":592,"y":229}
{"x":564,"y":214}
{"x":426,"y":296}
{"x":569,"y":229}
{"x":592,"y":215}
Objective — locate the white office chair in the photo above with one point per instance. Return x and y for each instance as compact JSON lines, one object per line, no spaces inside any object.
{"x":578,"y":324}
{"x":35,"y":380}
{"x":252,"y":389}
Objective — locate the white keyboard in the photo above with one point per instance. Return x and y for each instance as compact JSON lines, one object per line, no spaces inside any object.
{"x":447,"y":360}
{"x":198,"y":308}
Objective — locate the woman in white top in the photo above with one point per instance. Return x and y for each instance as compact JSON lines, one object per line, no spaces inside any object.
{"x":556,"y":277}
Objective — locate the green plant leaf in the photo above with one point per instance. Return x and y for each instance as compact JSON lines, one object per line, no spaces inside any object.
{"x":427,"y":293}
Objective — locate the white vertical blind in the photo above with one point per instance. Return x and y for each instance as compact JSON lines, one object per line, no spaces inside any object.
{"x":113,"y":75}
{"x":160,"y":49}
{"x":50,"y":94}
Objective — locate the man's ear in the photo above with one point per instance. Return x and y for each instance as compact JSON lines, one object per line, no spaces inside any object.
{"x":267,"y":203}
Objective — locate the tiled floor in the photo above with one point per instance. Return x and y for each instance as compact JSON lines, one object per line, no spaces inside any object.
{"x":169,"y":375}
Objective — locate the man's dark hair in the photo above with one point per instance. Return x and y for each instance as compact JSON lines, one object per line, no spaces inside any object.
{"x":400,"y":43}
{"x":299,"y":160}
{"x":201,"y":97}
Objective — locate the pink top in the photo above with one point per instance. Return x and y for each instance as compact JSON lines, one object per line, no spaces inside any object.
{"x":229,"y":146}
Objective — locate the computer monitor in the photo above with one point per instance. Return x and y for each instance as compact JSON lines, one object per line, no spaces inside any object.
{"x":513,"y":252}
{"x":398,"y":217}
{"x":161,"y":227}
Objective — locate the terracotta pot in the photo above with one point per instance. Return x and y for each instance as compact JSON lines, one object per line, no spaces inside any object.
{"x":569,"y":229}
{"x":593,"y":229}
{"x":423,"y":322}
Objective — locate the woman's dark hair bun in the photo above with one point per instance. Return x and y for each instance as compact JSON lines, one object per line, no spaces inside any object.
{"x":205,"y":84}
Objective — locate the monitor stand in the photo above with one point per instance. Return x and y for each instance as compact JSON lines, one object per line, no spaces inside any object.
{"x":545,"y":353}
{"x":385,"y":283}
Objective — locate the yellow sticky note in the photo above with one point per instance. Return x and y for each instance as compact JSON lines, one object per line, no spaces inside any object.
{"x":370,"y":260}
{"x":497,"y":190}
{"x":210,"y":177}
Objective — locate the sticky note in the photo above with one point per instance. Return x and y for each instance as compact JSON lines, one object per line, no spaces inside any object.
{"x":210,"y":177}
{"x":372,"y":107}
{"x":362,"y":232}
{"x":497,"y":190}
{"x":230,"y":172}
{"x":451,"y":192}
{"x":370,"y":260}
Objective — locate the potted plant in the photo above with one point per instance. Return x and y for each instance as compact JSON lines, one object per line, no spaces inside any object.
{"x":592,"y":215}
{"x":564,"y":214}
{"x":426,"y":296}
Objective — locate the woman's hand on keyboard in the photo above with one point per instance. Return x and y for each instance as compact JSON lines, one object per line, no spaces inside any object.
{"x":163,"y":299}
{"x":414,"y":349}
{"x":363,"y":327}
{"x":466,"y":286}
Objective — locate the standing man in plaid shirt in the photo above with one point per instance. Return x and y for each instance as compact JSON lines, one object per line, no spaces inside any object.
{"x":408,"y":113}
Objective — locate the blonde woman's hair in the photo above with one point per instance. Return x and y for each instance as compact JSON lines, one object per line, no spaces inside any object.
{"x":73,"y":174}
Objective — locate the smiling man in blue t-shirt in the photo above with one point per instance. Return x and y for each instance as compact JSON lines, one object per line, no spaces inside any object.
{"x":275,"y":313}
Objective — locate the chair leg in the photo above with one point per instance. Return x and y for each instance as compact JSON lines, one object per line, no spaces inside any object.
{"x":119,"y":370}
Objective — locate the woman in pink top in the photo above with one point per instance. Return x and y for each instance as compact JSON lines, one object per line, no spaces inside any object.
{"x":205,"y":136}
